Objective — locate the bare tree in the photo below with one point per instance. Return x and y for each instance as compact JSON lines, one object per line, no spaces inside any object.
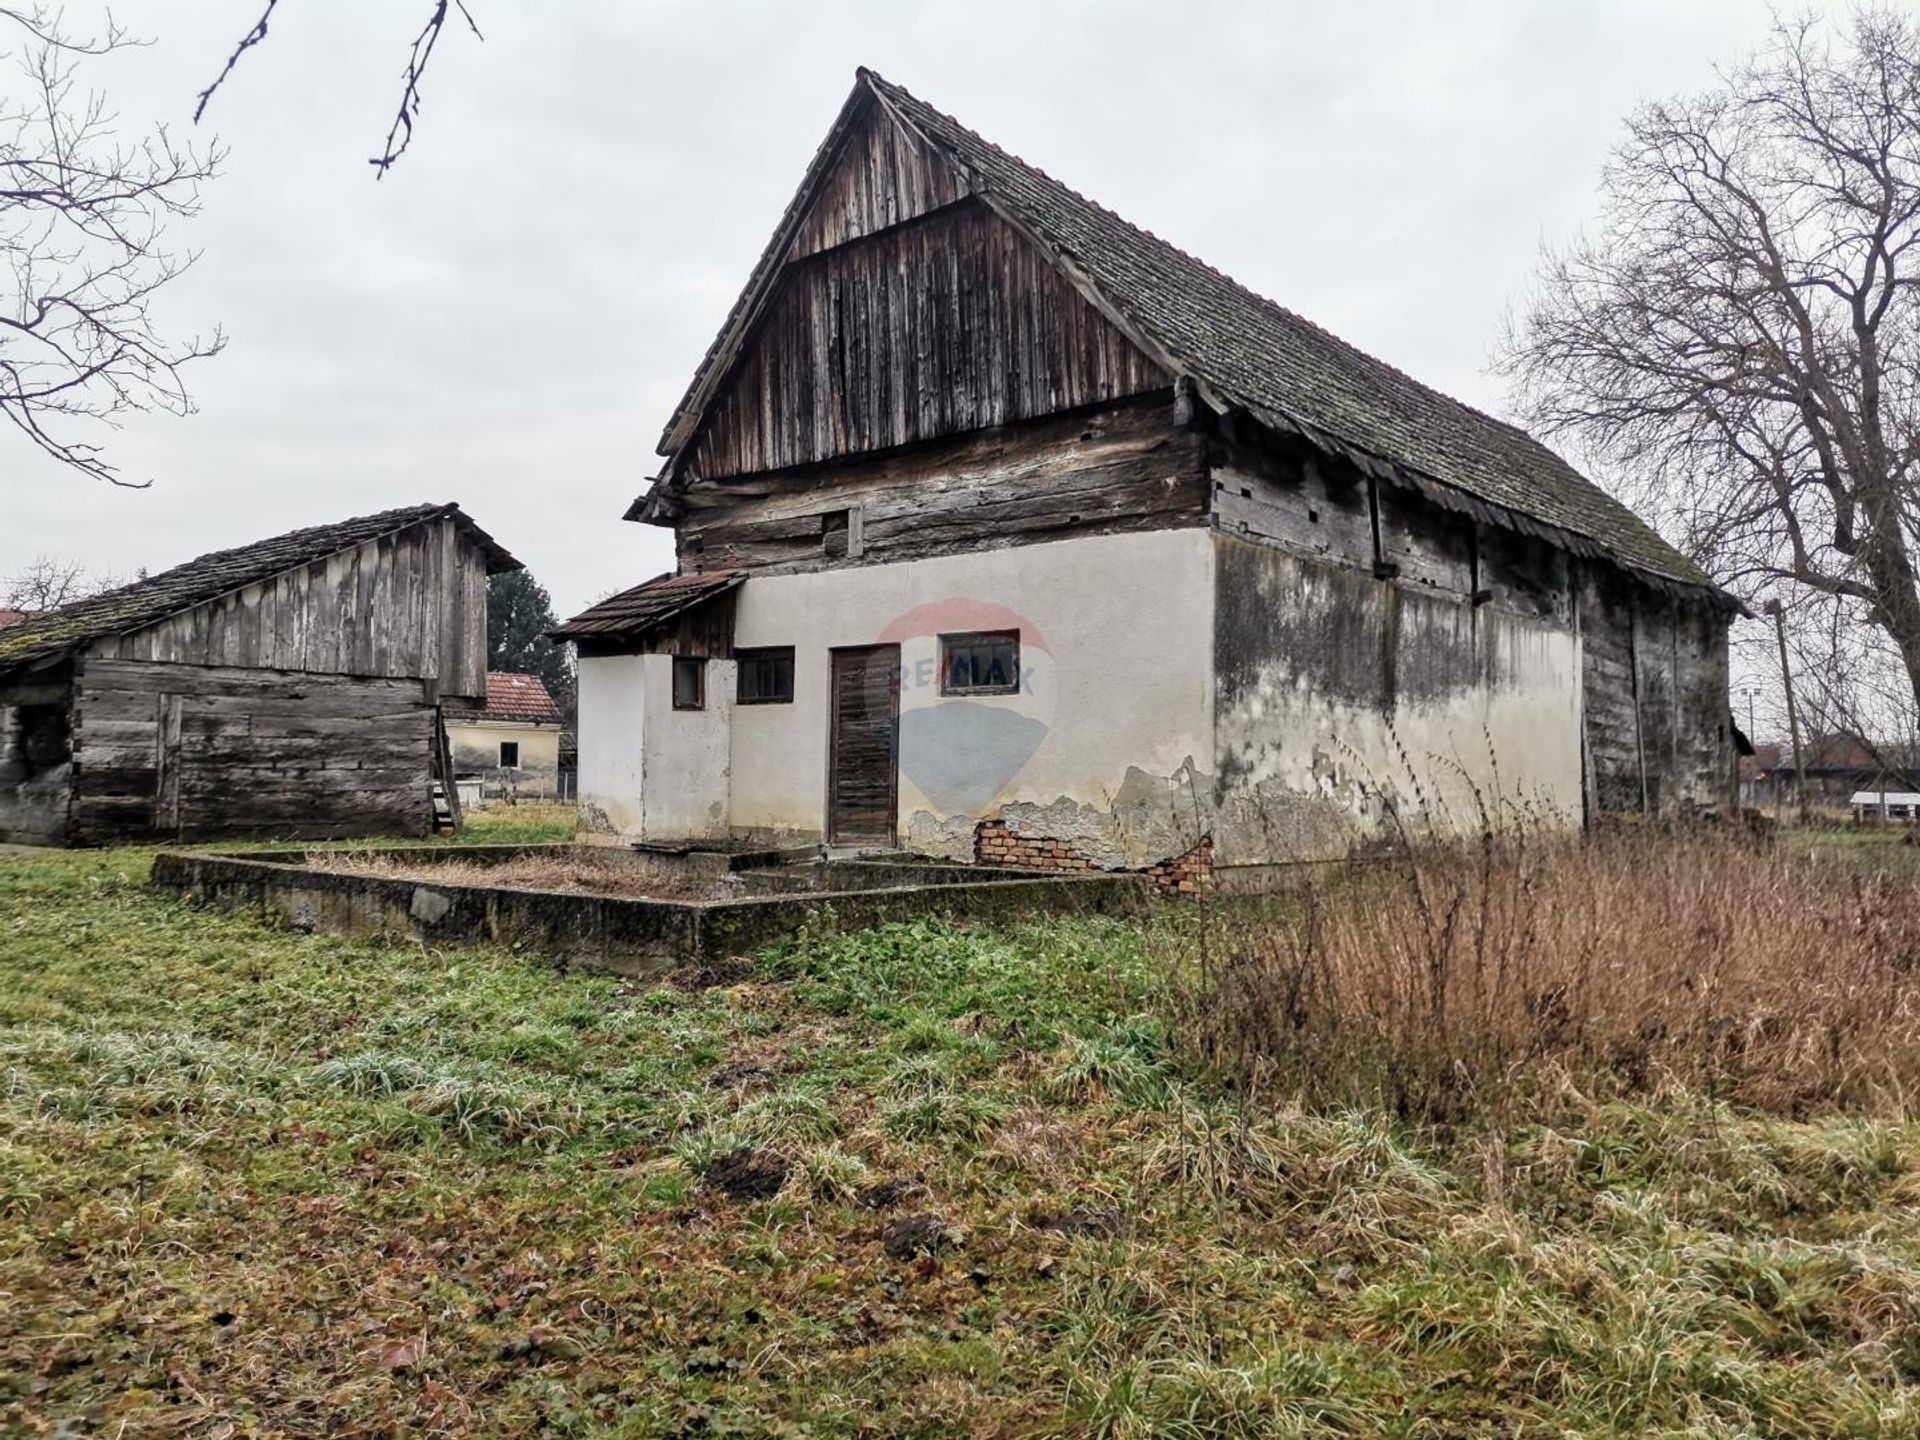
{"x":83,"y":215}
{"x":51,"y":582}
{"x":400,"y":132}
{"x":1741,"y":338}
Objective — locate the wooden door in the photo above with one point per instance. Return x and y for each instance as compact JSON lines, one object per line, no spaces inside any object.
{"x":864,"y":754}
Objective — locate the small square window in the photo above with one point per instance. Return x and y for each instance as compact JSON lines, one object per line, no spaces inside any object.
{"x":689,"y":683}
{"x":766,"y":676}
{"x":509,"y":754}
{"x":980,"y":663}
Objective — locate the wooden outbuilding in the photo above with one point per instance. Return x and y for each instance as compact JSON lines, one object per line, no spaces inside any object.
{"x":290,"y":688}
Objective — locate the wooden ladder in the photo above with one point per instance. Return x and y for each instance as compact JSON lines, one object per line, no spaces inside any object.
{"x":446,"y":791}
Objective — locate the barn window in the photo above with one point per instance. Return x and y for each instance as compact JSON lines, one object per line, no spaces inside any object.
{"x":509,"y":754}
{"x":766,"y":676}
{"x":980,"y":663}
{"x":689,"y":683}
{"x":840,"y":532}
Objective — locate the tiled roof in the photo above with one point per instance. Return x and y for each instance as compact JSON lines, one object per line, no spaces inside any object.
{"x":515,"y":696}
{"x":133,"y":607}
{"x":634,"y":612}
{"x":1245,"y":352}
{"x":15,"y":617}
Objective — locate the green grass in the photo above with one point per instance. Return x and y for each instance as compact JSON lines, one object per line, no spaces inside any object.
{"x":293,"y":1184}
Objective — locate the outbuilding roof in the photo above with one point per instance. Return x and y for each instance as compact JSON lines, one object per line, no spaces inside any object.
{"x":1241,"y":351}
{"x":146,"y":602}
{"x":634,"y":612}
{"x":513,"y":695}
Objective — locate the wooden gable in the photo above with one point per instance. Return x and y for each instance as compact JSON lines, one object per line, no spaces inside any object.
{"x":905,"y":311}
{"x":411,"y":604}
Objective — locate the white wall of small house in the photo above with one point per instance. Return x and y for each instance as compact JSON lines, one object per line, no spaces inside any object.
{"x":689,"y":754}
{"x":648,"y":771}
{"x":612,"y":769}
{"x":1107,"y":744}
{"x":476,"y":747}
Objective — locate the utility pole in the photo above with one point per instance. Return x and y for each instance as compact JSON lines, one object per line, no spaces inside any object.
{"x":1774,"y":608}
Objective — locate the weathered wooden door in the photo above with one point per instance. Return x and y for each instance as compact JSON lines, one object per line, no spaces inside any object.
{"x":863,"y":765}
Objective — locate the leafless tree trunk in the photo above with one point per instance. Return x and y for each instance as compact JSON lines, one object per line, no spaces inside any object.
{"x":83,"y":213}
{"x":1741,"y":337}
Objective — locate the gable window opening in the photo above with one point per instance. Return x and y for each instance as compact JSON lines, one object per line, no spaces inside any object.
{"x":689,"y":683}
{"x":765,"y":676}
{"x":983,"y":662}
{"x":509,"y":754}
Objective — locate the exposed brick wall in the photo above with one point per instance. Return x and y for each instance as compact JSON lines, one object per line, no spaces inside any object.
{"x":1188,"y":874}
{"x":995,"y":844}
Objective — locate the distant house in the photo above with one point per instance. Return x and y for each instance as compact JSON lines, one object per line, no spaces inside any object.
{"x":15,"y":617}
{"x":512,"y":743}
{"x":1007,"y":531}
{"x":287,"y":688}
{"x":1885,"y":806}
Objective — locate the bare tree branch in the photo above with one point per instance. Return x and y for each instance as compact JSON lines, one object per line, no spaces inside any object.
{"x":247,"y":41}
{"x":400,"y":133}
{"x":83,"y":216}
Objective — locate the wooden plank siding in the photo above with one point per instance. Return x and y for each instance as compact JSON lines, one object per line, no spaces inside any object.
{"x":947,"y":324}
{"x":882,"y":177}
{"x":177,"y":751}
{"x":1124,"y":467}
{"x":399,"y":606}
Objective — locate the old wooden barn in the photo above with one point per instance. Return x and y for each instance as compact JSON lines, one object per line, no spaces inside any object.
{"x":288,"y":688}
{"x":1007,"y":530}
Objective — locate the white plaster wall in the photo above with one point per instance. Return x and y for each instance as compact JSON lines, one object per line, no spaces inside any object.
{"x":1485,"y":718}
{"x":687,"y":755}
{"x":1112,"y":730}
{"x":612,"y":719}
{"x":648,"y":771}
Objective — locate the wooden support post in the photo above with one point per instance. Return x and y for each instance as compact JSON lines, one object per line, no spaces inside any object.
{"x":1779,"y":614}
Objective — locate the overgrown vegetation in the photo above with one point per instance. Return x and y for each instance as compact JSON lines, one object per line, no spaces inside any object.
{"x":1450,"y":981}
{"x":917,"y":1181}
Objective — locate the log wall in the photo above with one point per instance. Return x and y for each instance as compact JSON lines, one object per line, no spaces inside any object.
{"x":186,"y":752}
{"x":1123,"y":467}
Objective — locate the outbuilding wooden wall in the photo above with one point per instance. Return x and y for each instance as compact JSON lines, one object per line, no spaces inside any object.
{"x":409,"y":604}
{"x":187,"y":752}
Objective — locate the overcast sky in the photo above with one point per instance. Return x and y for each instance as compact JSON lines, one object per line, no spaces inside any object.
{"x":507,"y":319}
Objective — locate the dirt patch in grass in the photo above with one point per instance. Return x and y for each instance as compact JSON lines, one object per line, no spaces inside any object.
{"x":748,"y":1174}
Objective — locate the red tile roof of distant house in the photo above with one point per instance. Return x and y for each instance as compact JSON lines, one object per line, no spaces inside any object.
{"x":514,"y":696}
{"x":15,"y":617}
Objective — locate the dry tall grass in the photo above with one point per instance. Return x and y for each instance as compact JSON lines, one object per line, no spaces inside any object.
{"x":1458,"y":980}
